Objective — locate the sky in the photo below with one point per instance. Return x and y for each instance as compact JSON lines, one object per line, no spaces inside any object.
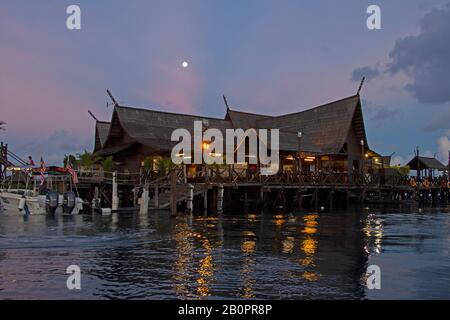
{"x":269,"y":57}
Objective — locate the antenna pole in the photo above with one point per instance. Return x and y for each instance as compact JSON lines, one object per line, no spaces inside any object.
{"x":360,"y":85}
{"x":112,"y":98}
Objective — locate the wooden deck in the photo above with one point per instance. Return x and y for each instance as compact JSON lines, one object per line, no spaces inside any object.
{"x":305,"y":189}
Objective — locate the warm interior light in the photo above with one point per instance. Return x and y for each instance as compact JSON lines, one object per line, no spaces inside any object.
{"x":205,"y":145}
{"x":290,"y":157}
{"x":367,"y":155}
{"x":213,"y":154}
{"x":308,"y":160}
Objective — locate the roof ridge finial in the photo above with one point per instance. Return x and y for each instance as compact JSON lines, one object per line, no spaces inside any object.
{"x":360,"y":85}
{"x":112,"y":98}
{"x":92,"y":115}
{"x":226,"y":102}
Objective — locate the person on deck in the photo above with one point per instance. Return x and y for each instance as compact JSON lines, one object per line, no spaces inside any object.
{"x":30,"y":161}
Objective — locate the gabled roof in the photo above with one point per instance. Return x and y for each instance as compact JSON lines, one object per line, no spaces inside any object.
{"x":154,"y":128}
{"x":326,"y":126}
{"x":426,"y":163}
{"x":101,"y":134}
{"x":244,"y":120}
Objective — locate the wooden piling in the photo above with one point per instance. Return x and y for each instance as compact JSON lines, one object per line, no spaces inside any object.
{"x":173,"y":193}
{"x":156,"y":196}
{"x":220,"y":198}
{"x":144,"y":202}
{"x":190,"y":198}
{"x":115,"y":198}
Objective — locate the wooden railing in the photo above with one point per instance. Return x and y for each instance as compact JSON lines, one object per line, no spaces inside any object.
{"x":230,"y":175}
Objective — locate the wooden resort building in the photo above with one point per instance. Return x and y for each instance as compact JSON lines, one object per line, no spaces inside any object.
{"x":325,"y":160}
{"x":330,"y":137}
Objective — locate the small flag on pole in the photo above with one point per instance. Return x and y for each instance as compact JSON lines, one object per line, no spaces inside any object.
{"x":42,"y":171}
{"x":73,"y":173}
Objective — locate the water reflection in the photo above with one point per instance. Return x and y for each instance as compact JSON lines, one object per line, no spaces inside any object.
{"x":309,"y":246}
{"x":373,"y":231}
{"x":235,"y":254}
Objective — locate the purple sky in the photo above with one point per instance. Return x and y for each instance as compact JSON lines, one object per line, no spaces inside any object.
{"x":270,"y":57}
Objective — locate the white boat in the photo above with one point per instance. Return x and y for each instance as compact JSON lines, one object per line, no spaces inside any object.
{"x":25,"y":202}
{"x":32,"y":201}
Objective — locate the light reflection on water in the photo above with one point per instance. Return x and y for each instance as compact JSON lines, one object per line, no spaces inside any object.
{"x":278,"y":255}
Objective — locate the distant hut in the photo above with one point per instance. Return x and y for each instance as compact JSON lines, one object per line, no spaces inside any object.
{"x":425,"y":166}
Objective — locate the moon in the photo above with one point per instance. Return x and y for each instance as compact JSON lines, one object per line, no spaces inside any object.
{"x":184,"y":64}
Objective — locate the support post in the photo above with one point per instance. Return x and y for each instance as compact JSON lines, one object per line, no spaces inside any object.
{"x":144,"y":202}
{"x":173,"y":193}
{"x":115,"y":198}
{"x":205,"y":201}
{"x":220,"y":198}
{"x":190,"y":198}
{"x":156,"y":198}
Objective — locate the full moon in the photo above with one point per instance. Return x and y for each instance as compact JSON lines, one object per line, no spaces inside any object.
{"x":185,"y":64}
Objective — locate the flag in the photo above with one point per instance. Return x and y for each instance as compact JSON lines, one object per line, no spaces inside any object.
{"x":73,"y":173}
{"x":42,"y":171}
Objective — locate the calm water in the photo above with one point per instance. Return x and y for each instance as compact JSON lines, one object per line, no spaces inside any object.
{"x":236,"y":255}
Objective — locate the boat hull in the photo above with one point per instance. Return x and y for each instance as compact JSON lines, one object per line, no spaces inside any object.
{"x":10,"y":201}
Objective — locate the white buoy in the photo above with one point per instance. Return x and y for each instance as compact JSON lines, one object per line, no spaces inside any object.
{"x":106,"y":211}
{"x":322,"y":208}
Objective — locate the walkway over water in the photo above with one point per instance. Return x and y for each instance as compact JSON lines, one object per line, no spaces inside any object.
{"x":284,"y":188}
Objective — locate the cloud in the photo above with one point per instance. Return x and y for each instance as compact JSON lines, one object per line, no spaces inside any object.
{"x":379,"y":113}
{"x":438,"y":121}
{"x":425,"y":58}
{"x":368,"y":72}
{"x":384,"y":113}
{"x":53,"y":147}
{"x":444,"y":147}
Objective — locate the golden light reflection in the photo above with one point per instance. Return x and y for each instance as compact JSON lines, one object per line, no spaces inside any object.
{"x":310,"y":276}
{"x":279,"y":219}
{"x":184,"y":256}
{"x":206,"y":270}
{"x":309,"y":246}
{"x":186,"y":275}
{"x":248,"y":246}
{"x":373,"y":231}
{"x":248,"y":280}
{"x":288,"y":245}
{"x":249,"y":234}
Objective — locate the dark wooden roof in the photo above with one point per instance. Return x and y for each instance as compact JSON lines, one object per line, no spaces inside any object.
{"x":101,"y":134}
{"x":244,"y":120}
{"x":154,"y":128}
{"x":426,"y":163}
{"x":326,"y":126}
